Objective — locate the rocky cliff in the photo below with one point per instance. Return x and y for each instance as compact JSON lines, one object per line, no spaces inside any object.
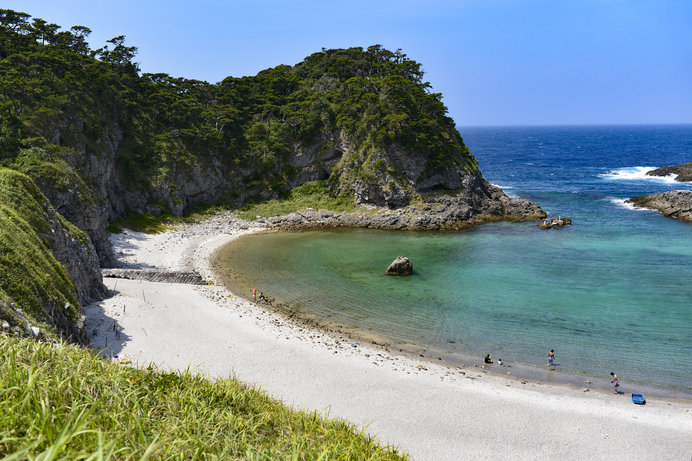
{"x":48,"y":267}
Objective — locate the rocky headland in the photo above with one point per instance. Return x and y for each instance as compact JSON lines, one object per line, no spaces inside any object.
{"x":683,"y":173}
{"x":444,"y":212}
{"x":358,"y":125}
{"x":674,"y":204}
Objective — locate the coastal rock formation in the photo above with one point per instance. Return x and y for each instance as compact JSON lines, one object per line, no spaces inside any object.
{"x":683,"y":172}
{"x":487,"y":203}
{"x":361,"y":123}
{"x":555,"y":223}
{"x":674,"y":204}
{"x":400,"y":266}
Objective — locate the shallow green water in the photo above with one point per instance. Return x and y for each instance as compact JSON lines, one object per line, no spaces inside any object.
{"x":504,"y":288}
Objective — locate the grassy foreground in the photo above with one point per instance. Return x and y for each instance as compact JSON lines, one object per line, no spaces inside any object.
{"x":64,"y":402}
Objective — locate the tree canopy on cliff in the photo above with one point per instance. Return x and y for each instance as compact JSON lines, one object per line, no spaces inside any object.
{"x":56,"y":90}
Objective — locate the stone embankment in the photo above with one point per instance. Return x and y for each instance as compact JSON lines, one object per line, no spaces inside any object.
{"x":153,"y":275}
{"x":673,"y":204}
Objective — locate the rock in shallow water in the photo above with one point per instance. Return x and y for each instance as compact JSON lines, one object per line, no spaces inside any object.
{"x":400,"y":266}
{"x":555,"y":223}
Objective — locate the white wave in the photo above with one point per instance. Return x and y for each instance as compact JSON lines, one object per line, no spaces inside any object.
{"x":621,"y":203}
{"x":503,"y":187}
{"x":637,"y":173}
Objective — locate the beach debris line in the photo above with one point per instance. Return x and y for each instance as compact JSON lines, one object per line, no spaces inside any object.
{"x":400,"y":266}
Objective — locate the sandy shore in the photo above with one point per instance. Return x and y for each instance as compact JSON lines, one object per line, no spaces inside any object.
{"x":428,"y":410}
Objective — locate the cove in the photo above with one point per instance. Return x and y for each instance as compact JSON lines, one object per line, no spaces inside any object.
{"x":603,"y":302}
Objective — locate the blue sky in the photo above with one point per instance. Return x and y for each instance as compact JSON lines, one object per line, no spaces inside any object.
{"x":496,"y":62}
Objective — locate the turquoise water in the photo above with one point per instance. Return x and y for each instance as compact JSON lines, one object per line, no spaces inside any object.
{"x":611,"y":292}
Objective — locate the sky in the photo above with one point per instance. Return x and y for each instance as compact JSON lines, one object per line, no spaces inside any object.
{"x":496,"y":62}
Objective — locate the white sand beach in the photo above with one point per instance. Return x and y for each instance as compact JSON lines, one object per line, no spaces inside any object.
{"x":429,"y":410}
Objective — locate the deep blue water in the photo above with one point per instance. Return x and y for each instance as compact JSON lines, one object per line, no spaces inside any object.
{"x":611,"y":292}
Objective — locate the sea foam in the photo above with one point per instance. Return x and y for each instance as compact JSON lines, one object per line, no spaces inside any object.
{"x":622,"y":203}
{"x":637,"y":173}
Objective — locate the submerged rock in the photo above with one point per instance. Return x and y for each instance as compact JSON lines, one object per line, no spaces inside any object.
{"x":673,"y":204}
{"x":400,"y":266}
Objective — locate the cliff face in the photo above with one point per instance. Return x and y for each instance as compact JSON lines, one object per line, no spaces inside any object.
{"x":49,"y":267}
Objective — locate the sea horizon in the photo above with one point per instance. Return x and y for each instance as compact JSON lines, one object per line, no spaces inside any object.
{"x":580,"y":125}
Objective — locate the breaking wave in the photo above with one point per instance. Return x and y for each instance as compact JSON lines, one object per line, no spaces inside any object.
{"x":637,"y":173}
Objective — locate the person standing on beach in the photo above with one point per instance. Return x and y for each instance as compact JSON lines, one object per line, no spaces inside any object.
{"x":615,"y":382}
{"x":551,"y":357}
{"x":254,"y":294}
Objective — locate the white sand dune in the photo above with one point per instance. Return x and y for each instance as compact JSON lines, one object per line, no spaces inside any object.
{"x":428,"y":410}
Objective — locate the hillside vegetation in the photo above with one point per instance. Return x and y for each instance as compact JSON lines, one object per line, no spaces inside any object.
{"x":63,"y":402}
{"x":41,"y":257}
{"x":61,"y":100}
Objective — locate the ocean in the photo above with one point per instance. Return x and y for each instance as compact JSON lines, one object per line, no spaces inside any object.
{"x":611,"y":292}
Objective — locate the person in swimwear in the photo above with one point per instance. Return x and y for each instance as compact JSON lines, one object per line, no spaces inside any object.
{"x":551,"y":357}
{"x":615,"y":382}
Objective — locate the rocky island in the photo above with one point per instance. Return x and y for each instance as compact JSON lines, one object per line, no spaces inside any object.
{"x":683,"y":173}
{"x":674,"y":204}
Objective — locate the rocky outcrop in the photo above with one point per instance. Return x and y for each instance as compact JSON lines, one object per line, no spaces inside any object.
{"x":674,"y":204}
{"x":683,"y":173}
{"x":443,"y":212}
{"x":79,"y":258}
{"x":400,"y":266}
{"x":555,"y":223}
